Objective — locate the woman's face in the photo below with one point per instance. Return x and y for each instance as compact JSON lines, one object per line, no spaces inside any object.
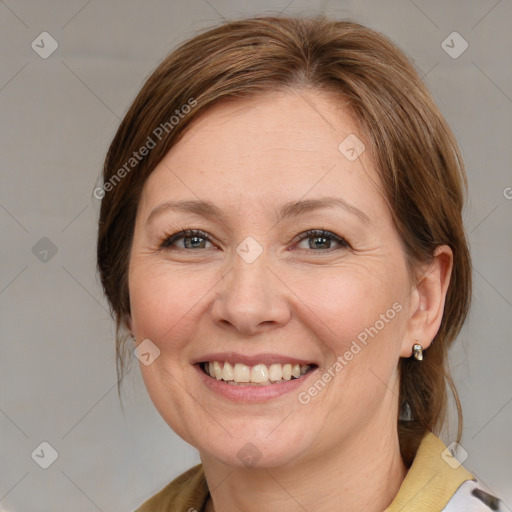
{"x":247,"y":289}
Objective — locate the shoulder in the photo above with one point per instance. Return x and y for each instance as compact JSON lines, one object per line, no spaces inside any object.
{"x":472,"y":496}
{"x":188,"y":493}
{"x":437,"y":481}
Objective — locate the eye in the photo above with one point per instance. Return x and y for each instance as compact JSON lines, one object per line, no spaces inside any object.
{"x":197,"y":239}
{"x":322,"y":240}
{"x":193,"y":239}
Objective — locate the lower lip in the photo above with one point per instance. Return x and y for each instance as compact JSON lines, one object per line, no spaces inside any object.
{"x":252,"y":393}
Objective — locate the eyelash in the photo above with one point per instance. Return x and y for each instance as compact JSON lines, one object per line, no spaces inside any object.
{"x":169,"y":240}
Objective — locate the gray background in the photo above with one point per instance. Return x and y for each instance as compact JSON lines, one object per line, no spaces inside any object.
{"x":57,"y":366}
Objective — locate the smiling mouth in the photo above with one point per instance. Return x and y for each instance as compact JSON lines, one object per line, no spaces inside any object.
{"x":239,"y":374}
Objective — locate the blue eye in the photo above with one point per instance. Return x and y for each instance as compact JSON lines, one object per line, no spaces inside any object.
{"x":193,"y":238}
{"x":197,"y":239}
{"x":322,"y":239}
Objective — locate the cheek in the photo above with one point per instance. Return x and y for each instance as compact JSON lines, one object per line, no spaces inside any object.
{"x":346,"y":303}
{"x":162,"y":300}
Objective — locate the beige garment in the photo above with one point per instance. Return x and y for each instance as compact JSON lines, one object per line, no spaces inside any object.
{"x":431,"y":481}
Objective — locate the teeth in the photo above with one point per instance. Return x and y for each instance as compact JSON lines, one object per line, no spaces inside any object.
{"x":227,"y":372}
{"x":258,"y":374}
{"x":241,"y":373}
{"x":275,"y":372}
{"x":217,"y":370}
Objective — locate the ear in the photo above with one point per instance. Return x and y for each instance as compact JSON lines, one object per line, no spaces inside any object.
{"x":427,"y":301}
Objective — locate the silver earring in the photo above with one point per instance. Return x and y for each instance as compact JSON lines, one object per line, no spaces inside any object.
{"x":418,"y":351}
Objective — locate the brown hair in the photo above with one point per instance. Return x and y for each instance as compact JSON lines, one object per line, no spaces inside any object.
{"x":411,"y":145}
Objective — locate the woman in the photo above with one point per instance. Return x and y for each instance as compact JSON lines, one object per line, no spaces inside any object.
{"x":281,"y":234}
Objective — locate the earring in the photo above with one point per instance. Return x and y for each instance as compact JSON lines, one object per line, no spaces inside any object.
{"x":418,"y":351}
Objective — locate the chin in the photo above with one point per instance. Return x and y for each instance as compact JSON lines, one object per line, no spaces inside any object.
{"x":252,"y":448}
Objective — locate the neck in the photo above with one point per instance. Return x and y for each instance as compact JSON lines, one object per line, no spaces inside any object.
{"x":363,"y":474}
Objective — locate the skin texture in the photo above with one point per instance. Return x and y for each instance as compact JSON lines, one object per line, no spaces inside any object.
{"x":249,"y":157}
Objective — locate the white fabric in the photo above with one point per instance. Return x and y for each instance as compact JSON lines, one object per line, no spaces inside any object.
{"x":472,"y":496}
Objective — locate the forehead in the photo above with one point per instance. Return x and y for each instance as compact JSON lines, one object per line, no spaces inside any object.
{"x":293,"y":121}
{"x":268,"y":149}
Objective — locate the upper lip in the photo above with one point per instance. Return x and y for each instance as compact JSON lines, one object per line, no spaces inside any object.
{"x":266,"y":358}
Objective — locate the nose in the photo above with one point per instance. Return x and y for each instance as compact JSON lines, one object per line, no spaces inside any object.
{"x":251,"y":298}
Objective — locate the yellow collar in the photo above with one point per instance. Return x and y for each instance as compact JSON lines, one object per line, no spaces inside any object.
{"x":432,"y":479}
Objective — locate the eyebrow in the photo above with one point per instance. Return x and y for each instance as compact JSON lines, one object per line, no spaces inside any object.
{"x":290,"y":209}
